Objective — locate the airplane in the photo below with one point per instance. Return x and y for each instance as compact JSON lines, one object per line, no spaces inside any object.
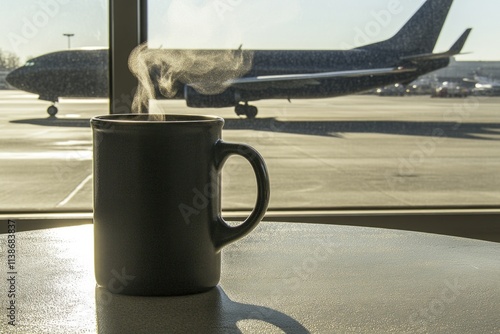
{"x":274,"y":74}
{"x":484,"y":86}
{"x":72,"y":73}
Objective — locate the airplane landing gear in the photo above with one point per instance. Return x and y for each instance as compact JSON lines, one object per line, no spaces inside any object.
{"x":52,"y":110}
{"x":244,"y":109}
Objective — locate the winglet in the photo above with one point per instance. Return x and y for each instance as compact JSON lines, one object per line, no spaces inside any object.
{"x":459,"y":44}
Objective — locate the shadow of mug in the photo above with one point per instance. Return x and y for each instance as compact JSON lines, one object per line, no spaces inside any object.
{"x":209,"y":312}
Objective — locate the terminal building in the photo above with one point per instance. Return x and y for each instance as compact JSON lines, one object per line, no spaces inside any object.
{"x":468,"y":69}
{"x":459,"y":77}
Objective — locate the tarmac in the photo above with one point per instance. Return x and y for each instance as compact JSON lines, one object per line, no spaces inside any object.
{"x":359,"y":151}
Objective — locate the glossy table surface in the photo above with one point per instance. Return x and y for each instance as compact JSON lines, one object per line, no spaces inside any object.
{"x":283,"y":277}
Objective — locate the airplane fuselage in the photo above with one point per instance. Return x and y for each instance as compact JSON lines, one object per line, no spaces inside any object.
{"x":314,"y":61}
{"x":84,"y":74}
{"x":78,"y":73}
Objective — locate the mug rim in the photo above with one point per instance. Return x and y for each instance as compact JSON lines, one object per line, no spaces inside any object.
{"x":137,"y":118}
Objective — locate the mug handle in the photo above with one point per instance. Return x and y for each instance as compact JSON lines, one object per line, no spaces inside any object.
{"x":223,"y":233}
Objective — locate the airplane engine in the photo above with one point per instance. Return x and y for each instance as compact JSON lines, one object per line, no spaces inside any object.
{"x":197,"y":100}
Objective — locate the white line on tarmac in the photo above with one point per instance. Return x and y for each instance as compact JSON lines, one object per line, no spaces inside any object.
{"x":80,"y":155}
{"x":20,"y":96}
{"x":81,"y":101}
{"x":37,"y":134}
{"x":74,"y":192}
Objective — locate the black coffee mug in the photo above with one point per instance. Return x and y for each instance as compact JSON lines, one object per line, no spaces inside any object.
{"x":158,"y":229}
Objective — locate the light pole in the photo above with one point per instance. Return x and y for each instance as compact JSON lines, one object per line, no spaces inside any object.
{"x":69,"y":39}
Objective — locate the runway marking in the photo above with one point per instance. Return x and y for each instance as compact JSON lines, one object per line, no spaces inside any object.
{"x":21,"y":96}
{"x":37,"y":134}
{"x":80,"y":155}
{"x":84,"y":101}
{"x":74,"y":192}
{"x":324,"y":161}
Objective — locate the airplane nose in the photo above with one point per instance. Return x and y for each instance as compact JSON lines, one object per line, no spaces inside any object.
{"x":14,"y":78}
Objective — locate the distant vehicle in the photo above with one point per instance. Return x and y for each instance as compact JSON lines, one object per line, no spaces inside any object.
{"x":274,"y":74}
{"x":422,"y":86}
{"x":451,"y":89}
{"x":392,"y":90}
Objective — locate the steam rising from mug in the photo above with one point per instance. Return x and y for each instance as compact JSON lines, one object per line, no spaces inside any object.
{"x":166,"y":71}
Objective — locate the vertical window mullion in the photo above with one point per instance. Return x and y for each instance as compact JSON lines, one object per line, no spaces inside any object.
{"x":128,"y":29}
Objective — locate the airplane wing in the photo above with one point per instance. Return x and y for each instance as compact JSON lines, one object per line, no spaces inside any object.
{"x":301,"y":80}
{"x":455,"y":50}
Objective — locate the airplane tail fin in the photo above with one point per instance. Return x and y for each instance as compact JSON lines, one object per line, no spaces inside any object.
{"x":420,"y":34}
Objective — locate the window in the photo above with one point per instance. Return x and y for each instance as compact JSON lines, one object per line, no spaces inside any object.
{"x":45,"y":161}
{"x":359,"y":151}
{"x":401,"y":150}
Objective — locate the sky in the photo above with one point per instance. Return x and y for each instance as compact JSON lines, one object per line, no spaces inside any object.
{"x":33,"y":27}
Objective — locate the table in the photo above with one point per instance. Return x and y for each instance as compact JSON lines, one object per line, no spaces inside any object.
{"x":283,"y":277}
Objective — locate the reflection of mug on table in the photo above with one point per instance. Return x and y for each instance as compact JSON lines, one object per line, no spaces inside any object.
{"x":158,"y":228}
{"x":209,"y":312}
